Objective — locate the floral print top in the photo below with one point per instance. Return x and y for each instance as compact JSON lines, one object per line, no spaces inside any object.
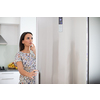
{"x":29,"y":64}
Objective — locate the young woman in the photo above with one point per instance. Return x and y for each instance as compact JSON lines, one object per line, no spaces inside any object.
{"x":25,"y":59}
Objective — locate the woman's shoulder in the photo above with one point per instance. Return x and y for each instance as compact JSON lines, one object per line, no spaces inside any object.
{"x":19,"y":53}
{"x":18,"y":57}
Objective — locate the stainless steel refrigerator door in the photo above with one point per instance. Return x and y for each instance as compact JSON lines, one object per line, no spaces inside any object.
{"x":94,"y":50}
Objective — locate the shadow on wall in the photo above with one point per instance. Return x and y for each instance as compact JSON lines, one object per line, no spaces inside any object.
{"x":73,"y":60}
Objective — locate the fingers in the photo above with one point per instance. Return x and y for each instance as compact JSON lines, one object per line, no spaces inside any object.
{"x":35,"y":70}
{"x":33,"y":44}
{"x":34,"y":73}
{"x":32,"y":77}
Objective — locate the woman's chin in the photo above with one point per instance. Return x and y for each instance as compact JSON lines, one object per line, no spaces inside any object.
{"x":28,"y":45}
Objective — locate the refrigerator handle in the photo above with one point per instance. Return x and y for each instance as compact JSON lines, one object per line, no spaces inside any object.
{"x":39,"y":78}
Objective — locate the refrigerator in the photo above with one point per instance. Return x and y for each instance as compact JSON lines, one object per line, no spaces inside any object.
{"x":94,"y":50}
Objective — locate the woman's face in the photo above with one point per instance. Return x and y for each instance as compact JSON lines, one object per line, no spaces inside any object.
{"x":28,"y":39}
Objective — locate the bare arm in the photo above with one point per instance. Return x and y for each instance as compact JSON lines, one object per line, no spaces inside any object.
{"x":33,"y":49}
{"x":23,"y":72}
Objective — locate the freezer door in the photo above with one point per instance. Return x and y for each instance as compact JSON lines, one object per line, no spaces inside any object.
{"x":94,"y":50}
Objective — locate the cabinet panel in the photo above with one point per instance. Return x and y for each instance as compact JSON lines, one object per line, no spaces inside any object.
{"x":10,"y":33}
{"x":9,"y":80}
{"x":9,"y":77}
{"x":9,"y":74}
{"x":9,"y":20}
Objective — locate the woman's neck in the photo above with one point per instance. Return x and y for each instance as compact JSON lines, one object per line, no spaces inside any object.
{"x":26,"y":50}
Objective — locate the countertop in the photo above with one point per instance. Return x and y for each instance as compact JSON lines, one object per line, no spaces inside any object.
{"x":9,"y":70}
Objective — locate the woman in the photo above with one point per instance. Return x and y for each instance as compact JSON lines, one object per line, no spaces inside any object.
{"x":25,"y":59}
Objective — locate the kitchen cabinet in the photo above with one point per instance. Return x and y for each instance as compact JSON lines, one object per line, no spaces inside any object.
{"x":9,"y":77}
{"x":10,"y":31}
{"x":9,"y":20}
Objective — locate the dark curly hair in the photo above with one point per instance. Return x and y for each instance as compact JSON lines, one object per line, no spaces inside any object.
{"x":21,"y":46}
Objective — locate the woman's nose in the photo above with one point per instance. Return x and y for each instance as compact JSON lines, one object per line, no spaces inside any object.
{"x":31,"y":40}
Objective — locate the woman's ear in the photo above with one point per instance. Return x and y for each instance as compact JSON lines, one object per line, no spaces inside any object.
{"x":22,"y":42}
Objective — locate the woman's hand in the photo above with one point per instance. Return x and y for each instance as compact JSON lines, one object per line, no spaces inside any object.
{"x":32,"y":74}
{"x":33,"y":49}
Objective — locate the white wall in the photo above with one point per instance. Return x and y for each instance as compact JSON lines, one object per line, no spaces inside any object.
{"x":9,"y":20}
{"x":10,"y":32}
{"x":61,"y":56}
{"x":28,"y":24}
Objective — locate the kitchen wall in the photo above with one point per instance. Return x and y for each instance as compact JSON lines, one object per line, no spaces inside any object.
{"x":11,"y":28}
{"x":10,"y":33}
{"x":62,"y":55}
{"x":28,"y":24}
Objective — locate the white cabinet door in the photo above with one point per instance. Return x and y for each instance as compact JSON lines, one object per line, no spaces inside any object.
{"x":8,"y":81}
{"x":9,"y":77}
{"x":9,"y":20}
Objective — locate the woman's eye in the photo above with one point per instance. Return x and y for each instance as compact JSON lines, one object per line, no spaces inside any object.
{"x":31,"y":38}
{"x":27,"y":37}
